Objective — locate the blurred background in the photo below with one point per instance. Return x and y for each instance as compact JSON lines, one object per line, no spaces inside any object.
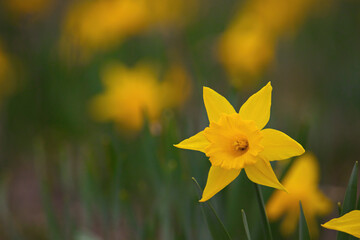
{"x":94,"y":93}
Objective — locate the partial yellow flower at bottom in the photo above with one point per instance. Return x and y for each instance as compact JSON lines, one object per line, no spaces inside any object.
{"x":348,"y":223}
{"x":302,"y":184}
{"x":235,"y":141}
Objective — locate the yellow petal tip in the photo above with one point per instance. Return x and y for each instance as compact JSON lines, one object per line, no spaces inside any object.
{"x":302,"y":150}
{"x":203,"y":199}
{"x":268,"y":85}
{"x":206,"y":89}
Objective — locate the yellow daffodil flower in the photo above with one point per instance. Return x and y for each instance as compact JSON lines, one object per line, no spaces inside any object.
{"x":235,"y":141}
{"x":245,"y":50}
{"x":247,"y":46}
{"x":348,"y":223}
{"x":302,"y":184}
{"x":100,"y":24}
{"x":91,"y":26}
{"x":131,"y":94}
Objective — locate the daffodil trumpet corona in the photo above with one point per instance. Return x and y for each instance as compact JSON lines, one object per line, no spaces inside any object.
{"x":236,"y":140}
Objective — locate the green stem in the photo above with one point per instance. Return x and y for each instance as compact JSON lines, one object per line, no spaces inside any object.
{"x":246,"y":226}
{"x":303,"y":227}
{"x":263,"y":212}
{"x":218,"y":232}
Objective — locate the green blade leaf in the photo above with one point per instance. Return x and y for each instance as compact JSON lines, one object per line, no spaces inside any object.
{"x":264,"y":217}
{"x":349,"y":199}
{"x":339,"y":206}
{"x":216,"y":227}
{"x":245,"y":224}
{"x":303,"y":227}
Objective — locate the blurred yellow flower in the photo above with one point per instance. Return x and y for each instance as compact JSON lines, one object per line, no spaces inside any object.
{"x":302,"y":184}
{"x":245,"y":51}
{"x":281,"y":16}
{"x":93,"y":25}
{"x":90,"y":26}
{"x":25,"y":7}
{"x":247,"y":46}
{"x":131,"y":94}
{"x":348,"y":223}
{"x":234,"y":141}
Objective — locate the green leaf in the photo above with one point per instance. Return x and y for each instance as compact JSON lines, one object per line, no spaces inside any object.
{"x":349,"y":199}
{"x":303,"y":227}
{"x":216,"y":227}
{"x":235,"y":200}
{"x":245,"y":224}
{"x":264,"y":217}
{"x":339,"y":208}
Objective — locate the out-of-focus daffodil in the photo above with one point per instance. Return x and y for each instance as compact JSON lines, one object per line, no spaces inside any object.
{"x":90,"y":26}
{"x":247,"y":46}
{"x":132,"y":94}
{"x":302,"y":184}
{"x":348,"y":223}
{"x":235,"y":141}
{"x":245,"y":50}
{"x":281,"y":16}
{"x":93,"y":25}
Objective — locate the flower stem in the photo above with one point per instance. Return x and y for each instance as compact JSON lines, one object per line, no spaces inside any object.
{"x":216,"y":226}
{"x":247,"y":232}
{"x":263,"y":212}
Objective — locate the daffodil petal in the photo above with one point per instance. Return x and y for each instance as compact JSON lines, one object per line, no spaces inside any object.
{"x":216,"y":105}
{"x":262,"y":173}
{"x":348,"y":223}
{"x":257,"y":107}
{"x":198,"y":142}
{"x":289,"y":223}
{"x":218,"y":178}
{"x":279,"y":146}
{"x":276,"y":205}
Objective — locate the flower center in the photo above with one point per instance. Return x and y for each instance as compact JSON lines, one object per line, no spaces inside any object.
{"x":233,"y":142}
{"x":241,"y":145}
